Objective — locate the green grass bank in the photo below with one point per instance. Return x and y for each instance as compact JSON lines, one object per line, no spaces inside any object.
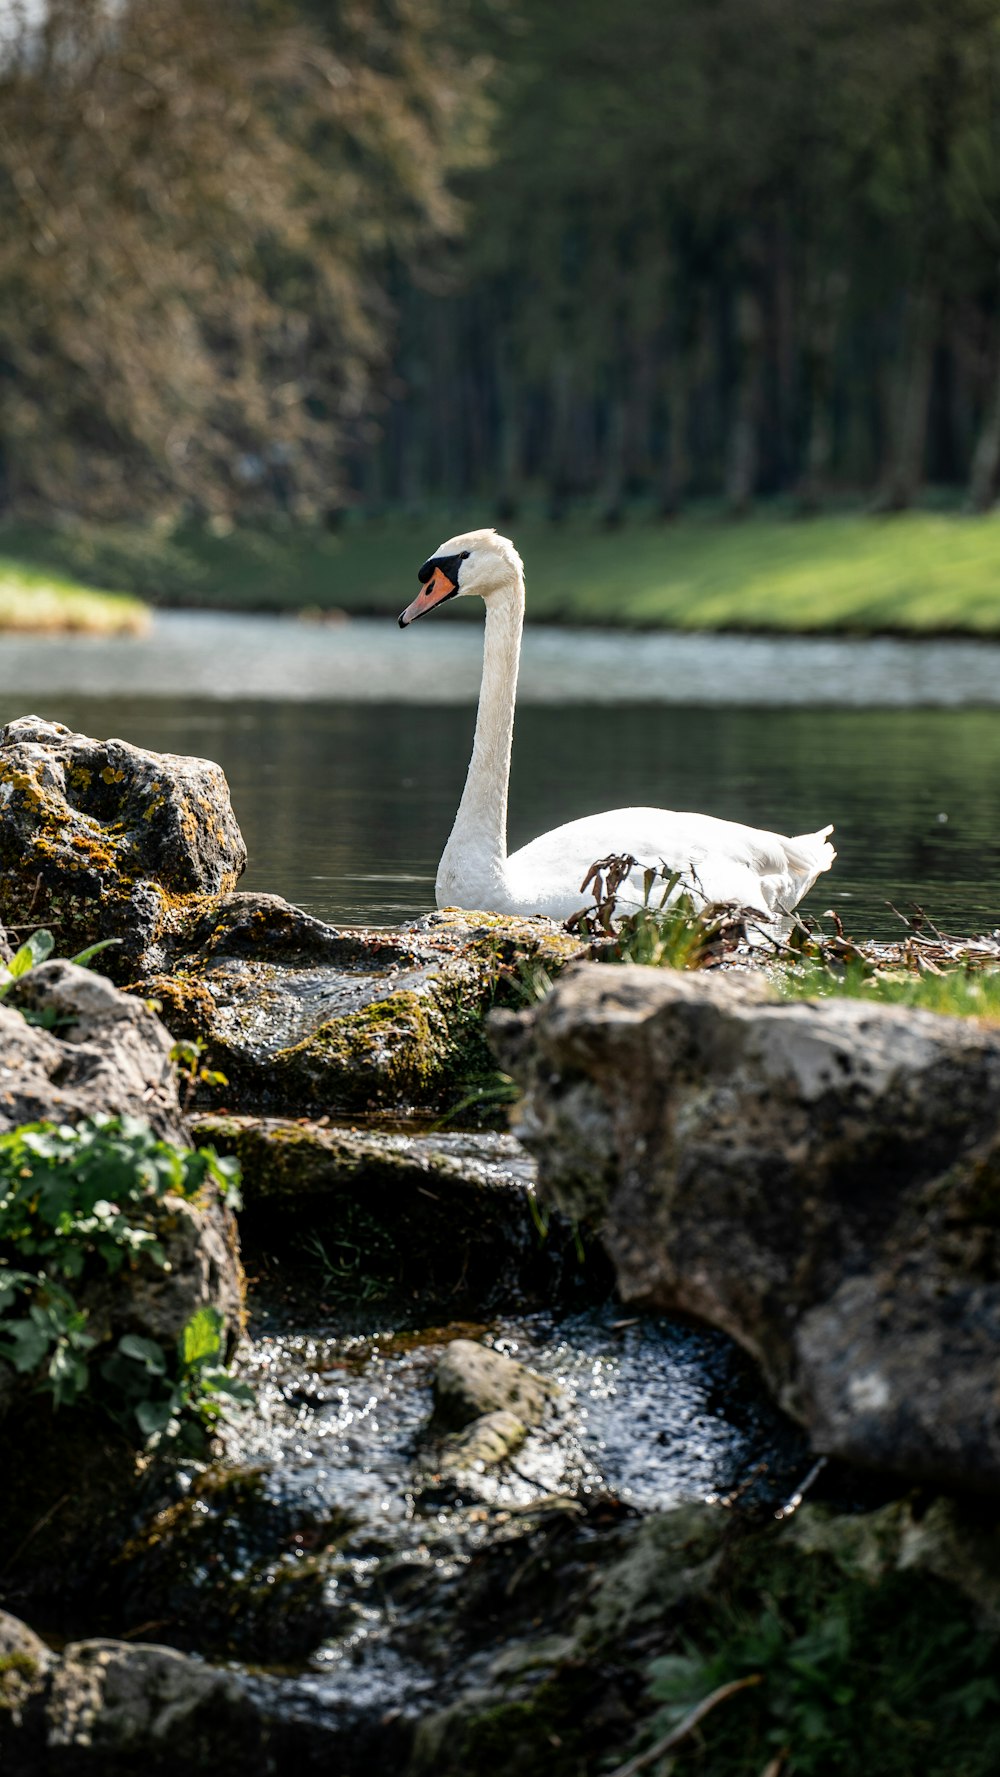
{"x":920,"y":572}
{"x":38,"y":599}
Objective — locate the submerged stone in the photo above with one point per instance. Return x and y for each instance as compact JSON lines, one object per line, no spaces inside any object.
{"x":473,"y":1380}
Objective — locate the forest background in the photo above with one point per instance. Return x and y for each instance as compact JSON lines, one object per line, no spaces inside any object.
{"x":279,"y":264}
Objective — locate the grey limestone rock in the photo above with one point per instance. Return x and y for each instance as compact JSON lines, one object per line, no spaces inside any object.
{"x":819,"y":1179}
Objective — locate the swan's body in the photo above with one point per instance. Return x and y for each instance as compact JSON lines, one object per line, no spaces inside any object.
{"x":717,"y":860}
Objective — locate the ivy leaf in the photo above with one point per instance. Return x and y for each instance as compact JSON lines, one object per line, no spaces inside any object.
{"x":201,"y":1338}
{"x":153,"y":1417}
{"x":145,"y":1352}
{"x":26,"y":1344}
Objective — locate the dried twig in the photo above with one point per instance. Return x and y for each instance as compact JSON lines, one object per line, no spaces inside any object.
{"x":685,"y":1727}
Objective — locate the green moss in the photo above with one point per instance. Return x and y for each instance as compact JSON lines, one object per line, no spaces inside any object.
{"x":396,"y":1051}
{"x":19,"y":1664}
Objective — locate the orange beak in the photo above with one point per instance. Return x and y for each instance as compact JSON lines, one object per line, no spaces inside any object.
{"x":437,"y":589}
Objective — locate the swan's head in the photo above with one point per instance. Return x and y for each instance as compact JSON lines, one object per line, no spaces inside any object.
{"x":478,"y":561}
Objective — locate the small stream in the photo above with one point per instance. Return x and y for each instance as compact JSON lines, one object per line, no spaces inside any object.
{"x":649,"y":1413}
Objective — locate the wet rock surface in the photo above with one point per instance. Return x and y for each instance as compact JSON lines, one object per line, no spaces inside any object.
{"x":818,"y":1179}
{"x":472,"y":1380}
{"x":305,"y":1020}
{"x":100,"y":839}
{"x":340,"y":1213}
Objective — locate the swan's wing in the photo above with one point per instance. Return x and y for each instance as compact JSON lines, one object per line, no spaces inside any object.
{"x":719,"y":860}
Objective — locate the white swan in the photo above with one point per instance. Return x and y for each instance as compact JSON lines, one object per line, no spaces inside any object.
{"x":718,"y":860}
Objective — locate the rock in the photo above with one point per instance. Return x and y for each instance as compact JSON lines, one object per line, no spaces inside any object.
{"x":473,"y":1380}
{"x":445,"y":1217}
{"x":100,"y":839}
{"x":106,"y":1052}
{"x":818,"y":1179}
{"x":121,"y":1707}
{"x":25,"y":1664}
{"x":487,"y":1440}
{"x":304,"y":1020}
{"x":103,"y":1051}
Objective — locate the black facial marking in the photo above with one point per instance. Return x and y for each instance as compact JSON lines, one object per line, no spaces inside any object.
{"x":449,"y":565}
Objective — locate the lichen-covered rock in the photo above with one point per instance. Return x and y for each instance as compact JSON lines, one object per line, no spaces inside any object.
{"x":473,"y":1380}
{"x":101,"y":1051}
{"x":101,"y":839}
{"x":107,"y":1052}
{"x":821,"y":1180}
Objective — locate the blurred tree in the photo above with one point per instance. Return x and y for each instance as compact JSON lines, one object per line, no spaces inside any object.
{"x":198,"y":202}
{"x":727,"y":246}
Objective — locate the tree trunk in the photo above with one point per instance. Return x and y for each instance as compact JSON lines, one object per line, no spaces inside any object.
{"x":741,"y":453}
{"x":906,"y":474}
{"x":986,"y":456}
{"x":560,"y":435}
{"x":509,"y":447}
{"x":818,"y":372}
{"x":612,"y":494}
{"x":676,"y":465}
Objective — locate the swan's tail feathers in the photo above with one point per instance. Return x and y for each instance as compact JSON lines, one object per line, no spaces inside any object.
{"x":809,"y":854}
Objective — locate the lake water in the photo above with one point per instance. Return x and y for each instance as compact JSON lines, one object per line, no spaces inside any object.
{"x":346,"y":746}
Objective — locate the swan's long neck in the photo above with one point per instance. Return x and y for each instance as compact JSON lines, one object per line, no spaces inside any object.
{"x":473,"y":867}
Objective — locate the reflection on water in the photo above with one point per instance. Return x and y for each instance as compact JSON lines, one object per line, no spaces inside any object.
{"x":345,"y":807}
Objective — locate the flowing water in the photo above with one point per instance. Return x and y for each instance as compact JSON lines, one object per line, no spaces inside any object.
{"x":346,"y":746}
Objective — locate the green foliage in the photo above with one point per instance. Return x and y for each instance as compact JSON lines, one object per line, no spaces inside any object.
{"x":37,"y":949}
{"x":47,"y":601}
{"x":187,"y":1057}
{"x":341,"y":1263}
{"x":845,"y":1667}
{"x":80,"y":1203}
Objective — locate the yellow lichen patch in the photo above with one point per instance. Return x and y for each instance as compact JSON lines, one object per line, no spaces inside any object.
{"x":111,"y":776}
{"x":96,"y":851}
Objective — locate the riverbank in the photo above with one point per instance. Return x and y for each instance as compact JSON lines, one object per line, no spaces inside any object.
{"x":919,"y":573}
{"x":38,"y":600}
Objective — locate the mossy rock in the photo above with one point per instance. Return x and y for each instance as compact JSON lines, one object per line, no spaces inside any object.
{"x":859,"y":1655}
{"x":100,"y":839}
{"x":232,"y":1570}
{"x":304,"y":1020}
{"x":437,"y":1219}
